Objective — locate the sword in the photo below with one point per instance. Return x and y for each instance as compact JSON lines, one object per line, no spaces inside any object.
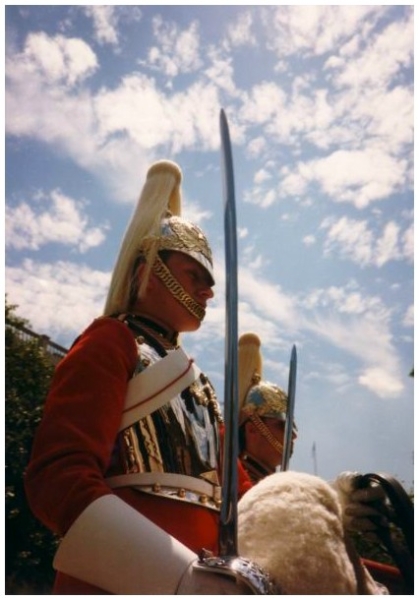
{"x":289,"y":422}
{"x":228,"y":514}
{"x":228,"y":562}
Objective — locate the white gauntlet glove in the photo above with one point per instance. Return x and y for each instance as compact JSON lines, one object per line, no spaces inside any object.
{"x":363,"y":508}
{"x":112,"y":546}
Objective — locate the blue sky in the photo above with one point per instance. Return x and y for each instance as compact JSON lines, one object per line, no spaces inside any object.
{"x":320,"y":106}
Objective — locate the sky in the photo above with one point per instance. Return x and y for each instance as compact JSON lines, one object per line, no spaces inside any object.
{"x":319,"y":101}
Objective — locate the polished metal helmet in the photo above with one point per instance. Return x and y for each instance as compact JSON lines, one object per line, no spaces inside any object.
{"x":258,"y":398}
{"x":180,"y":235}
{"x":157,"y":225}
{"x":266,"y":400}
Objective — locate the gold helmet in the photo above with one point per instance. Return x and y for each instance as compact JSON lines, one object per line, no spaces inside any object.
{"x":182,"y":236}
{"x":258,"y":399}
{"x":157,"y":225}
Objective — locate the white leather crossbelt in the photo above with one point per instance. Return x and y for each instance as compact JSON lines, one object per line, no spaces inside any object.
{"x":157,"y":385}
{"x":171,"y":485}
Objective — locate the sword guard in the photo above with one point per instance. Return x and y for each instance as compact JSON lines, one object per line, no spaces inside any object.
{"x":241,"y":569}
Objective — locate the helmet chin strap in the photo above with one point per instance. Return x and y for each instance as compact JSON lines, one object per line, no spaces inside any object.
{"x":264,"y":431}
{"x":255,"y":468}
{"x":177,"y":291}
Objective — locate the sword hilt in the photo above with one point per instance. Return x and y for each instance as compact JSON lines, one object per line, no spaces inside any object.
{"x":242,"y":570}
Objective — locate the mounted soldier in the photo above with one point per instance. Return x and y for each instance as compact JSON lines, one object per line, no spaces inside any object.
{"x":295,"y":525}
{"x":126,"y":463}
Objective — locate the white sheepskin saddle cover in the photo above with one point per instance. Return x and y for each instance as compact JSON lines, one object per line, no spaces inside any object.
{"x":291,"y":525}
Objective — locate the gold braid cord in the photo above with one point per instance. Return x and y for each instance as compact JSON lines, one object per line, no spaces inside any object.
{"x":264,"y":431}
{"x":174,"y":287}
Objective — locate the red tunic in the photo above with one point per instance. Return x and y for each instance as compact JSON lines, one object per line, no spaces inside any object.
{"x":74,"y":442}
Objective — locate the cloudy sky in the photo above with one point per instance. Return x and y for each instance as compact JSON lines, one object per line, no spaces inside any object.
{"x":320,"y":105}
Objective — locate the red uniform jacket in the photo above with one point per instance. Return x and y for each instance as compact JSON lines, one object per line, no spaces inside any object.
{"x":74,"y":442}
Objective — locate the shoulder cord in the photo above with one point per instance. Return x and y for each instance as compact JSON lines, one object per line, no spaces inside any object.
{"x":254,"y":468}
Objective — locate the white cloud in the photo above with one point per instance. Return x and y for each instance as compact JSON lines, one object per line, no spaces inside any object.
{"x":177,"y":50}
{"x":292,"y":183}
{"x":102,"y":133}
{"x":194,"y":213}
{"x":334,"y":374}
{"x":314,"y":30}
{"x":50,"y":218}
{"x":408,"y":243}
{"x":387,"y":245}
{"x":261,"y":176}
{"x":265,"y":101}
{"x":51,"y":59}
{"x":347,"y":318}
{"x":261,"y":197}
{"x":388,"y":117}
{"x":350,"y":238}
{"x":368,"y":338}
{"x":72,"y":122}
{"x":220,"y":71}
{"x":359,"y":324}
{"x":309,"y":240}
{"x":176,"y":122}
{"x":107,"y":134}
{"x":354,"y":240}
{"x":348,"y":299}
{"x":256,"y":147}
{"x":105,"y":23}
{"x":381,"y":382}
{"x":409,"y":318}
{"x":263,"y":306}
{"x":267,"y":299}
{"x":359,"y":177}
{"x":383,"y":56}
{"x":373,"y":129}
{"x":240,"y":32}
{"x":58,"y":299}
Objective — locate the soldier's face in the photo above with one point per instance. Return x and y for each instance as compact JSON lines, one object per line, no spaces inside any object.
{"x":163,"y":306}
{"x":259,"y":447}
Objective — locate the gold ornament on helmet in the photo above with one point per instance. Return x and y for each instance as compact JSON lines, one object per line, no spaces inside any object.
{"x":180,"y":235}
{"x":266,"y":400}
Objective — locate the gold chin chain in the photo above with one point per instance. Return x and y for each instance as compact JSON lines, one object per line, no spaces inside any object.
{"x":264,"y":431}
{"x":174,"y":287}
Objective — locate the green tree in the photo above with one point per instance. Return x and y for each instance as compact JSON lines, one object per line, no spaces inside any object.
{"x":29,"y":546}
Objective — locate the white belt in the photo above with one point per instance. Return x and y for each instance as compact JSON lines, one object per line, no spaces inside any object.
{"x":157,"y":385}
{"x":171,"y":485}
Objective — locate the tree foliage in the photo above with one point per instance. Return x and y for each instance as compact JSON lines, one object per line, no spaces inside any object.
{"x":29,"y":545}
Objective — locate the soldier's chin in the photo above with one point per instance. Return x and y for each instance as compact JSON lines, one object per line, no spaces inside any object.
{"x":190,"y":323}
{"x":198,"y":322}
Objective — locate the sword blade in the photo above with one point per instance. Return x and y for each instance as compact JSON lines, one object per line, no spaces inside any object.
{"x":228,"y":562}
{"x":290,"y":411}
{"x":228,"y":513}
